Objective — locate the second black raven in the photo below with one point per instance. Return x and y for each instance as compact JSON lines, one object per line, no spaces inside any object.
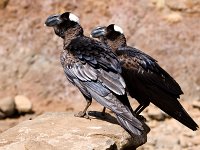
{"x":94,"y":69}
{"x":146,"y":81}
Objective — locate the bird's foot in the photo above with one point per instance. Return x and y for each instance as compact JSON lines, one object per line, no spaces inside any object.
{"x":82,"y":114}
{"x":141,"y":118}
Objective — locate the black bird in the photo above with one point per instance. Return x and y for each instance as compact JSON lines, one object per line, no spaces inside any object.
{"x":146,"y":81}
{"x":94,"y":69}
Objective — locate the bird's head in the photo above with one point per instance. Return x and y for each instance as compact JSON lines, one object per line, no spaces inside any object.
{"x":62,"y":22}
{"x":112,"y":31}
{"x":112,"y":35}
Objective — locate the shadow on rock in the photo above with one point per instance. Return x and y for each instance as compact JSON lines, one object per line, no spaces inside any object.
{"x":107,"y":117}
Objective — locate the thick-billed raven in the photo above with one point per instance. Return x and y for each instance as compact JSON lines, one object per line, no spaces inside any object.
{"x":146,"y":81}
{"x":94,"y":69}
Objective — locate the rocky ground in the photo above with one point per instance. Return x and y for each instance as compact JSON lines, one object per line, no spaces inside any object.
{"x":168,"y":30}
{"x":99,"y":133}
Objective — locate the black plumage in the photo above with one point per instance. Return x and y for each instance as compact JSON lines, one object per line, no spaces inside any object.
{"x":94,"y":69}
{"x":146,"y":81}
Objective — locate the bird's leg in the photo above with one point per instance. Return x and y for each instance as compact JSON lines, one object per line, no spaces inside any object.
{"x":83,"y":113}
{"x":103,"y":111}
{"x":139,"y":109}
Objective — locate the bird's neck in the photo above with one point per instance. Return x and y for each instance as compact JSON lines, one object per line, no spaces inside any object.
{"x":72,"y":33}
{"x":118,"y":42}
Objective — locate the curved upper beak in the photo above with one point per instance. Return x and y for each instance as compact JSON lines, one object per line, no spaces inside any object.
{"x":98,"y":32}
{"x":53,"y":20}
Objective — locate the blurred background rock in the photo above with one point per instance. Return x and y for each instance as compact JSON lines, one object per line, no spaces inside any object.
{"x":168,"y":30}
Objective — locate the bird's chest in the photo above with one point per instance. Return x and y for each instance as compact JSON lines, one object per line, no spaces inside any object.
{"x":68,"y":60}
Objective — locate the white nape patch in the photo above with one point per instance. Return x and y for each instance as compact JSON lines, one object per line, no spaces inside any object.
{"x":73,"y":17}
{"x":118,"y":29}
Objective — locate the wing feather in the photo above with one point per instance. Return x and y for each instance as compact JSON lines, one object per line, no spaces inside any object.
{"x":148,"y":70}
{"x":94,"y":53}
{"x":94,"y":69}
{"x":124,"y":115}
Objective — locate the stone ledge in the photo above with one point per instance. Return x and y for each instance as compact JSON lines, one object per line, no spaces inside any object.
{"x":63,"y":131}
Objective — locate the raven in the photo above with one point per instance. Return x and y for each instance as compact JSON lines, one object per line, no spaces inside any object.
{"x":94,"y":69}
{"x":146,"y":81}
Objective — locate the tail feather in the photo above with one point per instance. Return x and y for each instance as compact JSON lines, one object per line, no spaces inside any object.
{"x":124,"y":116}
{"x":127,"y":126}
{"x":172,"y":107}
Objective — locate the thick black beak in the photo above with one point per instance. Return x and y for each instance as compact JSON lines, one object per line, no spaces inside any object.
{"x":53,"y":20}
{"x":98,"y":32}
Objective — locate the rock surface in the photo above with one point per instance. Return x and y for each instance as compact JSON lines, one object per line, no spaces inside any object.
{"x":196,"y":104}
{"x":7,"y":107}
{"x":3,"y":3}
{"x":156,"y":114}
{"x":63,"y":131}
{"x":23,"y":104}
